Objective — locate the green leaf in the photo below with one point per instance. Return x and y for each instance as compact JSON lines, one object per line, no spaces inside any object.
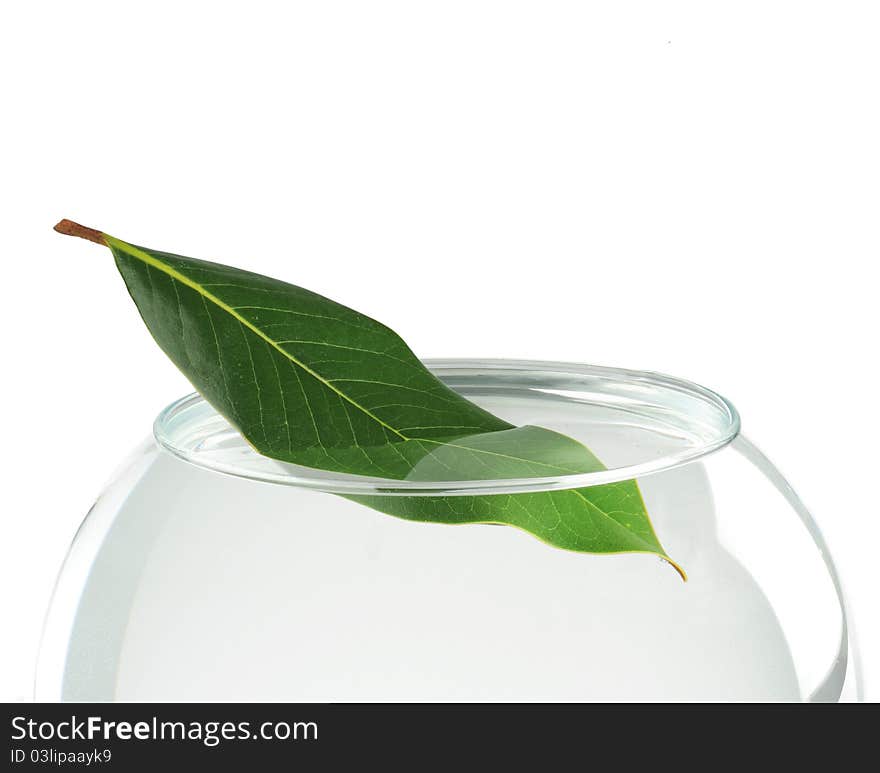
{"x":309,"y":381}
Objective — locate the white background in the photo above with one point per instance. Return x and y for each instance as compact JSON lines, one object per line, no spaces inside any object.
{"x":685,"y":187}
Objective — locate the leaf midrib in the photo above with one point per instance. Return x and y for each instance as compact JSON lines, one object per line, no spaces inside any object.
{"x":145,"y":257}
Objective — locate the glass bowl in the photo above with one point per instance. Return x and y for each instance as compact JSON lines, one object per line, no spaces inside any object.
{"x":208,"y":572}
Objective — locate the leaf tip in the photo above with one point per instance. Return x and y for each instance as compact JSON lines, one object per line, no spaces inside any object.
{"x":682,"y":573}
{"x":69,"y":228}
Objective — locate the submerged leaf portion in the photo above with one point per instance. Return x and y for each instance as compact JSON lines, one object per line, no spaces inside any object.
{"x":310,"y":381}
{"x":610,"y":518}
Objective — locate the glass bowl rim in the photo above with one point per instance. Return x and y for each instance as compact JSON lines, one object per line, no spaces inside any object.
{"x":723,"y":431}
